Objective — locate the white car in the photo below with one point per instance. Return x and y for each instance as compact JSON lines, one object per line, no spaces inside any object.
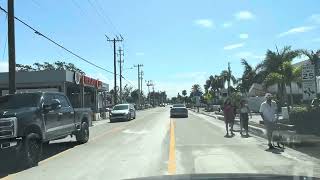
{"x":122,"y":112}
{"x":178,"y":110}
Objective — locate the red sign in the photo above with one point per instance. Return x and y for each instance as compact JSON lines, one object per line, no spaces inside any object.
{"x":85,"y":80}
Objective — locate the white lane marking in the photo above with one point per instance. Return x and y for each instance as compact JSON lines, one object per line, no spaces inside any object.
{"x":128,"y":131}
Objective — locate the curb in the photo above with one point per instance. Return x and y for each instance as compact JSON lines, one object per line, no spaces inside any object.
{"x":261,"y":132}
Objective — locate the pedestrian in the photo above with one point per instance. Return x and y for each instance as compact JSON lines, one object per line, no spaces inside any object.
{"x":244,"y":117}
{"x":228,"y":111}
{"x":268,"y":110}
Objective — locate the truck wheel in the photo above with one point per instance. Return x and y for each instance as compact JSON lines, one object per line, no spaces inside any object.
{"x":31,"y":150}
{"x":83,"y":135}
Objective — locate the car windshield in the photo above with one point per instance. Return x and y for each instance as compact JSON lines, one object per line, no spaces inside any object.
{"x":121,"y":107}
{"x":178,"y":105}
{"x":19,"y":101}
{"x":160,"y":87}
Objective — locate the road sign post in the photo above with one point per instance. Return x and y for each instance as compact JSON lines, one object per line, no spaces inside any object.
{"x":308,"y":82}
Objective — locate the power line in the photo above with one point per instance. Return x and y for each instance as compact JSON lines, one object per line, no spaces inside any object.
{"x":101,"y":16}
{"x":104,"y":12}
{"x":62,"y":47}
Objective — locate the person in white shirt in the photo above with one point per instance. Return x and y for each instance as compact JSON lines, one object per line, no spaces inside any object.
{"x":268,"y":111}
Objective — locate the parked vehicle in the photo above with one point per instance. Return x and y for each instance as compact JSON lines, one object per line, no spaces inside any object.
{"x":178,"y":110}
{"x":122,"y":111}
{"x":28,"y":120}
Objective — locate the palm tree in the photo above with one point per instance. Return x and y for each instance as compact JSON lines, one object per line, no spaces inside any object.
{"x":184,"y":93}
{"x":274,"y":69}
{"x":196,"y":90}
{"x":227,"y":76}
{"x":249,"y":76}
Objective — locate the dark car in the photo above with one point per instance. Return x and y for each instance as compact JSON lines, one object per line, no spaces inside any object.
{"x":178,"y":110}
{"x":28,"y":120}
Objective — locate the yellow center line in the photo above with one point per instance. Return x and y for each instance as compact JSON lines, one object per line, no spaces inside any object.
{"x":172,"y":150}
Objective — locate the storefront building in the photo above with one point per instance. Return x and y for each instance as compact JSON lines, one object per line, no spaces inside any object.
{"x":83,"y":91}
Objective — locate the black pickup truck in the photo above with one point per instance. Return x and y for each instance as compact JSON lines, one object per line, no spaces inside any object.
{"x":27,"y":120}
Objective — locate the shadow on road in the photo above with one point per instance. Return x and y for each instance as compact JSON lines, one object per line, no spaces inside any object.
{"x":9,"y":166}
{"x":275,"y":150}
{"x":119,"y":121}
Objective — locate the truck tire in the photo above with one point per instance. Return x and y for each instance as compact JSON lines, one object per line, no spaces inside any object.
{"x":31,"y":150}
{"x":83,"y":135}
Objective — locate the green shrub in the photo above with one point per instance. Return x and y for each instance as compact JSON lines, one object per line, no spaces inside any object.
{"x":305,"y":119}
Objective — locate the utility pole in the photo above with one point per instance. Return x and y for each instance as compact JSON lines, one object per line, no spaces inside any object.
{"x":149,"y":83}
{"x":120,"y":67}
{"x":141,"y":80}
{"x":115,"y":40}
{"x":138,"y":66}
{"x":11,"y":49}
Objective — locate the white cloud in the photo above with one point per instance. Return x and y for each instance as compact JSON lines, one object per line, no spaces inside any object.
{"x":207,"y":23}
{"x":4,"y":67}
{"x":227,"y":24}
{"x":296,"y":30}
{"x":248,"y":55}
{"x":233,"y":46}
{"x":139,"y":53}
{"x":244,"y":36}
{"x":315,"y":18}
{"x":244,"y":15}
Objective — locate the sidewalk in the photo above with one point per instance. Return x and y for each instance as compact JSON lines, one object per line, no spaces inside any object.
{"x":290,"y":136}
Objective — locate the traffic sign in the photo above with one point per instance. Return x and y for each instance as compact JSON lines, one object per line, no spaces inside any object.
{"x":309,"y":90}
{"x":308,"y":72}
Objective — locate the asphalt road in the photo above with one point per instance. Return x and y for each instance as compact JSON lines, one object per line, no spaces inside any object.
{"x":154,"y":144}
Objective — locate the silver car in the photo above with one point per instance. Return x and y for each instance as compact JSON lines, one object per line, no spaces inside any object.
{"x":122,"y":112}
{"x":178,"y":110}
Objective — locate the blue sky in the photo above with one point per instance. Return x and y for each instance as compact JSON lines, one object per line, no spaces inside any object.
{"x":179,"y":42}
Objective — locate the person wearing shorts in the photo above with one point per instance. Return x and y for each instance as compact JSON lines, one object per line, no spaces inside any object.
{"x":268,"y":110}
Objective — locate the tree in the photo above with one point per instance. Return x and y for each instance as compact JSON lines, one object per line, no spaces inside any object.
{"x":274,"y":69}
{"x":227,"y":76}
{"x":126,"y":93}
{"x":38,"y":66}
{"x":184,"y":93}
{"x":163,"y":96}
{"x":48,"y":66}
{"x":60,"y":65}
{"x":249,"y":76}
{"x":196,"y":90}
{"x":135,"y":95}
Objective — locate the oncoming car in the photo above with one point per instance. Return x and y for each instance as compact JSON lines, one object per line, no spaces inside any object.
{"x":178,"y":110}
{"x":122,"y":112}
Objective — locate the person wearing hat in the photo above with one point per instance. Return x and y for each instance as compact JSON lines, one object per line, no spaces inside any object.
{"x":268,"y":110}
